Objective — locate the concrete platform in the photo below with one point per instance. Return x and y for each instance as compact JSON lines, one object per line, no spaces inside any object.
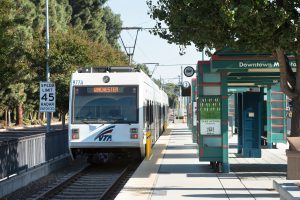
{"x":174,"y":172}
{"x":288,"y":189}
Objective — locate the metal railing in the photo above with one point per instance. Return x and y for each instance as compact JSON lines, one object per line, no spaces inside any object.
{"x":27,"y":152}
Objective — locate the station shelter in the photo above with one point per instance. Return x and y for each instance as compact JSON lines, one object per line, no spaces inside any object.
{"x":238,"y":93}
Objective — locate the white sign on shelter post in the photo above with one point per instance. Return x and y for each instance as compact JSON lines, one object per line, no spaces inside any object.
{"x":47,"y":97}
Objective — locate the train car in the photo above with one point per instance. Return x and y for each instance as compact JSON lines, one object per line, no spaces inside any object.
{"x":112,"y":109}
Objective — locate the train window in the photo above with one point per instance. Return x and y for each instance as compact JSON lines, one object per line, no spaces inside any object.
{"x":99,"y":105}
{"x":148,"y":112}
{"x":151,"y":112}
{"x":159,"y":111}
{"x":145,"y":112}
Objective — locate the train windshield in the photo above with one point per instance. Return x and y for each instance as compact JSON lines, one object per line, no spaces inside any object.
{"x":105,"y":104}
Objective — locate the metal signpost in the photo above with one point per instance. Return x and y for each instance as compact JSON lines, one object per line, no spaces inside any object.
{"x":47,"y":60}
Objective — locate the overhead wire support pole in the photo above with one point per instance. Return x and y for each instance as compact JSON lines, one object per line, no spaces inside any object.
{"x":124,"y":45}
{"x":47,"y":60}
{"x":155,"y":66}
{"x":181,"y":83}
{"x":137,"y":32}
{"x":129,"y":52}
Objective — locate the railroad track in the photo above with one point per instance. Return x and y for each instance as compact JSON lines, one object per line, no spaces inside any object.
{"x":92,"y":182}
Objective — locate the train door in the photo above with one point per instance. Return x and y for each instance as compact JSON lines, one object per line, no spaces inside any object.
{"x":159,"y":119}
{"x":154,"y":121}
{"x":148,"y":119}
{"x":151,"y":120}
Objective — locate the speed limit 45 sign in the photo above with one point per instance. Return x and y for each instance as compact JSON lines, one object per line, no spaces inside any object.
{"x":47,"y":97}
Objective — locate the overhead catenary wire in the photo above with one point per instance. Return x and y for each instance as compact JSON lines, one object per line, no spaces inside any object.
{"x":165,"y":28}
{"x":178,"y":64}
{"x":131,"y":54}
{"x":137,"y":46}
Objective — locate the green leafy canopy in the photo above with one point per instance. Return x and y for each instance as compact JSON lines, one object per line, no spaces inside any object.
{"x":260,"y":25}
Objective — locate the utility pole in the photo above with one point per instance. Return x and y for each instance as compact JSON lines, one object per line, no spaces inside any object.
{"x":47,"y":60}
{"x":180,"y":97}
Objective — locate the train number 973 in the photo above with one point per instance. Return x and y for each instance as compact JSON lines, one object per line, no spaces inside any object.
{"x":77,"y":82}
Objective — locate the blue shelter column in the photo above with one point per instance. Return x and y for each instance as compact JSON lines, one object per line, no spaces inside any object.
{"x":252,"y":124}
{"x":239,"y":120}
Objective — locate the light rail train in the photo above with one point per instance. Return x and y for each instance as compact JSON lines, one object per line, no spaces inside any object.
{"x":111,"y":110}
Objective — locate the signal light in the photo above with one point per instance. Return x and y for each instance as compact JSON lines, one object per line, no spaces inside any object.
{"x":133,"y":130}
{"x":75,"y":134}
{"x":134,"y":136}
{"x":134,"y":133}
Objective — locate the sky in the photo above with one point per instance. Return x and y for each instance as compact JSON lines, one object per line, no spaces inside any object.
{"x":150,"y":48}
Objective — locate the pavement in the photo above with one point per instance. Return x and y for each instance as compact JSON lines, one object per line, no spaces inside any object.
{"x":175,"y":172}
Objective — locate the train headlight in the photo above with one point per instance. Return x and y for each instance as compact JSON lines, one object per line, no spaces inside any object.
{"x":134,"y":133}
{"x":106,"y":79}
{"x":75,"y":134}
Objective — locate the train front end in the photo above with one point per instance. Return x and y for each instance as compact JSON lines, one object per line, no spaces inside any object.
{"x":104,"y":115}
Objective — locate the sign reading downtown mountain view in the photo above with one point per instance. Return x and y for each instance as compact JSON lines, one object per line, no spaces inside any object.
{"x":248,"y":64}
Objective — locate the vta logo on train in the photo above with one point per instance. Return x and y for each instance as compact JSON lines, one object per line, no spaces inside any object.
{"x":103,"y":137}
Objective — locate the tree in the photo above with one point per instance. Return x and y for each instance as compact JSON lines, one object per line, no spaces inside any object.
{"x":113,"y":27}
{"x":172,"y":91}
{"x":16,"y":33}
{"x":261,"y":26}
{"x":22,"y":49}
{"x":60,"y":13}
{"x":87,"y":15}
{"x":16,"y":98}
{"x":101,"y":24}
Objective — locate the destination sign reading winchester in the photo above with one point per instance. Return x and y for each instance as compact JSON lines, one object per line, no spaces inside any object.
{"x":47,"y":97}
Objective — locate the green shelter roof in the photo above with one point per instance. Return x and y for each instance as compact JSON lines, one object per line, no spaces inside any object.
{"x":247,"y":69}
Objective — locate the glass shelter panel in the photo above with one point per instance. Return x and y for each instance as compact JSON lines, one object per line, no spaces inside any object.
{"x":212,"y":90}
{"x":211,"y":77}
